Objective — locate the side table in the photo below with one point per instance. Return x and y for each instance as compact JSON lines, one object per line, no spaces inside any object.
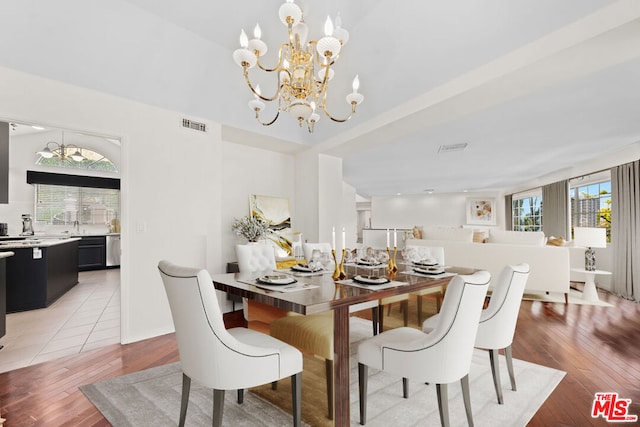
{"x":590,"y":293}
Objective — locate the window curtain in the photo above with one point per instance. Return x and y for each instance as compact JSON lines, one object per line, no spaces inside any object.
{"x":555,"y":210}
{"x":625,"y":229}
{"x":508,"y":212}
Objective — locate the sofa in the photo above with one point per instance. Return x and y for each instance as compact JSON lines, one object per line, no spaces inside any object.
{"x":462,"y":247}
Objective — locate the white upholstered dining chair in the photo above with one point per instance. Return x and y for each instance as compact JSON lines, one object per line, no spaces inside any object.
{"x":256,"y":258}
{"x":308,"y":249}
{"x":498,"y":321}
{"x":218,"y":358}
{"x":442,"y":356}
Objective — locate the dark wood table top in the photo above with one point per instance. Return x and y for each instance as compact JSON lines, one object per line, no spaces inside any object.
{"x":328,"y":294}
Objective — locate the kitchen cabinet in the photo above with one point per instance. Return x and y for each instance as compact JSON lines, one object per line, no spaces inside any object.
{"x":40,"y":272}
{"x":92,"y":253}
{"x":3,"y":292}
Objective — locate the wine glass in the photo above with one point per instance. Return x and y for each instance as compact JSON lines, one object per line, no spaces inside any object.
{"x":314,"y":263}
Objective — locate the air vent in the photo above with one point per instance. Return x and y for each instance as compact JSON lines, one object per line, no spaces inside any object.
{"x":452,"y":147}
{"x":190,"y":124}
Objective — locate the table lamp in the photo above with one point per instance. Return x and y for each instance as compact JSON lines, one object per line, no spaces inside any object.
{"x":590,"y":237}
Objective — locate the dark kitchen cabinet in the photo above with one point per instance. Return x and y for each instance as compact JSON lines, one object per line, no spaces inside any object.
{"x":92,"y":253}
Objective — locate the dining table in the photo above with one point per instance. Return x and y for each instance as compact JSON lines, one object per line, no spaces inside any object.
{"x":316,"y":293}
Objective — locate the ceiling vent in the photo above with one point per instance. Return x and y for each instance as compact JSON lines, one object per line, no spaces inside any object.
{"x":452,"y":147}
{"x":190,"y":124}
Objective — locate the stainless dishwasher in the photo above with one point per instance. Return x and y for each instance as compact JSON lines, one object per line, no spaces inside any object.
{"x":113,"y":251}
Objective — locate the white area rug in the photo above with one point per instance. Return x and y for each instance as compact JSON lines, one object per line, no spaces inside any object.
{"x":152,"y":397}
{"x":575,"y":297}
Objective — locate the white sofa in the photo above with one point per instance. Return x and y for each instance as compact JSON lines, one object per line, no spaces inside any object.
{"x":549,"y":264}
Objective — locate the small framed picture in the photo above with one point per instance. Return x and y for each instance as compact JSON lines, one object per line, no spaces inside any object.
{"x":481,"y":211}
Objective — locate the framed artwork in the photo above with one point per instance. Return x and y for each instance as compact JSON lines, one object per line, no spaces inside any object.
{"x":481,"y":211}
{"x":274,"y":210}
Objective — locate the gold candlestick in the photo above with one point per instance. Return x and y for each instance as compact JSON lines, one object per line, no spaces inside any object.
{"x":343,"y":274}
{"x":338,"y":272}
{"x":392,"y":267}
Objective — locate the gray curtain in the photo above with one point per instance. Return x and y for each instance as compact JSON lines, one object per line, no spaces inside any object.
{"x":555,"y":210}
{"x":625,"y":229}
{"x":508,"y":212}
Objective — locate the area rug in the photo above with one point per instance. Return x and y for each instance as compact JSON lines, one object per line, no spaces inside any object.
{"x":152,"y":397}
{"x":575,"y":297}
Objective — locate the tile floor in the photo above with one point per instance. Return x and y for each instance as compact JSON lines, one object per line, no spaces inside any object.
{"x":85,"y":318}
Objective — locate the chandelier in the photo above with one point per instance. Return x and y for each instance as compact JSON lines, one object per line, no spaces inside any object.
{"x":64,"y":152}
{"x":303,"y":69}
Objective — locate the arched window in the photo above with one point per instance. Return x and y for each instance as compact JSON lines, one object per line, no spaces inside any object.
{"x":74,"y":157}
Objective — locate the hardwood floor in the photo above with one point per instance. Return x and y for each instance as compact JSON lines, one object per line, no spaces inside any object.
{"x":598,"y":347}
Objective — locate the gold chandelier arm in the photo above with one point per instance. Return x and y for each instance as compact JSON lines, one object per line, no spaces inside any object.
{"x":324,"y":108}
{"x":278,"y":65}
{"x":267,"y":123}
{"x":253,"y":90}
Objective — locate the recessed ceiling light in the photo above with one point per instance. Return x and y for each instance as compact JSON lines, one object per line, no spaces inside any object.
{"x":37,"y":127}
{"x":452,"y":147}
{"x":398,"y":194}
{"x":429,"y":190}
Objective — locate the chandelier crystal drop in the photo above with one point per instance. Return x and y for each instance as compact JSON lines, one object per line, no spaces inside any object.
{"x":303,"y":71}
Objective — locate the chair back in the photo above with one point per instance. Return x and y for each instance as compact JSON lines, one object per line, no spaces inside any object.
{"x":204,"y":344}
{"x":498,"y":322}
{"x":418,"y":253}
{"x":255,"y":257}
{"x":309,"y":247}
{"x":449,"y":347}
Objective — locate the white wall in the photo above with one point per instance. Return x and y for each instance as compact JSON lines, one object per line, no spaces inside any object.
{"x":247,"y":170}
{"x":171,"y":202}
{"x":428,"y":209}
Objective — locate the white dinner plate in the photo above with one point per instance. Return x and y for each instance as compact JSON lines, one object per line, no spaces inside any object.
{"x":371,"y":280}
{"x":305,"y":269}
{"x":429,"y":270}
{"x":277,"y":279}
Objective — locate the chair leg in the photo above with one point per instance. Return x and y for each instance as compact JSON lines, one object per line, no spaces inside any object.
{"x":509,"y":357}
{"x":380,"y":317}
{"x":240,"y":396}
{"x":296,"y":398}
{"x":495,"y":371}
{"x":405,"y":315}
{"x":405,"y":387}
{"x":218,"y":404}
{"x":186,"y":387}
{"x":419,"y":300}
{"x":363,"y":379}
{"x":439,"y":298}
{"x":443,"y":404}
{"x":274,"y":385}
{"x":374,"y":319}
{"x":466,"y":396}
{"x":328,"y":367}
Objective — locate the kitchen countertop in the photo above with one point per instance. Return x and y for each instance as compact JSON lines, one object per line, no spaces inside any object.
{"x":37,"y":242}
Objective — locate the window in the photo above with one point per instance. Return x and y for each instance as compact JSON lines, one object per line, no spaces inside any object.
{"x":527,"y":212}
{"x":58,"y":204}
{"x":92,"y":161}
{"x":591,"y":204}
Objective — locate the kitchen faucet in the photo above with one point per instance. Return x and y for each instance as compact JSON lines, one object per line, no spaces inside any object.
{"x":76,"y":224}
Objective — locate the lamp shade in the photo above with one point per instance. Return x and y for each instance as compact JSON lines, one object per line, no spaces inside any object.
{"x":590,"y":237}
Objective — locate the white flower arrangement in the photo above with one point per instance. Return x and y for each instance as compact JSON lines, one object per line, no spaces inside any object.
{"x":251,"y":228}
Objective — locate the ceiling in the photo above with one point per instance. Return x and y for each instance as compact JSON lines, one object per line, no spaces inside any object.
{"x":531,"y":86}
